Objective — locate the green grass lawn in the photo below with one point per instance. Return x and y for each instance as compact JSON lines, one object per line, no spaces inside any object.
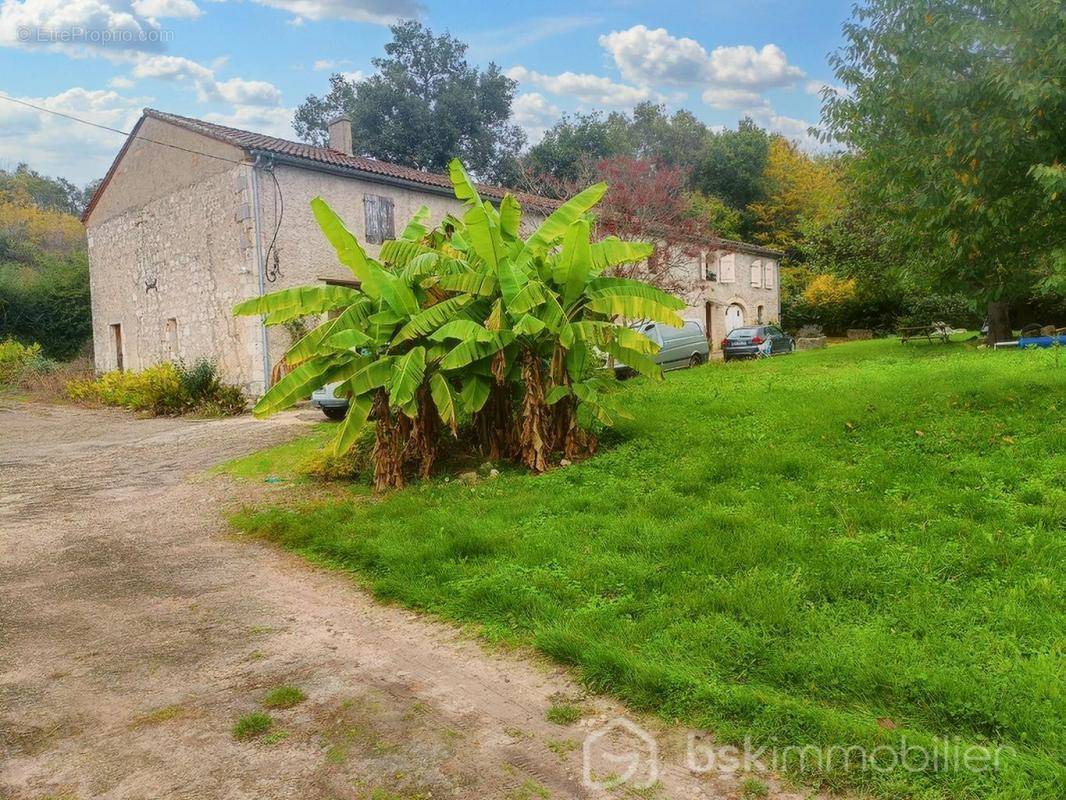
{"x":863,"y":545}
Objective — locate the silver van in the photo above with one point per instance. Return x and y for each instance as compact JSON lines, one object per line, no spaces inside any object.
{"x":678,"y":347}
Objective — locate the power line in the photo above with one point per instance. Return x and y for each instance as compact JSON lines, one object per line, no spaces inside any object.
{"x":117,"y":130}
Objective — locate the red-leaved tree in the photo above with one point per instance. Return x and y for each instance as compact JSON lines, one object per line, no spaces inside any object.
{"x":646,"y":201}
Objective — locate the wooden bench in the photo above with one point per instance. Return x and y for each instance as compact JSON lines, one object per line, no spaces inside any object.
{"x":930,"y":333}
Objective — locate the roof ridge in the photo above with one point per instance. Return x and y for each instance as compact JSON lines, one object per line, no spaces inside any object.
{"x":260,"y":141}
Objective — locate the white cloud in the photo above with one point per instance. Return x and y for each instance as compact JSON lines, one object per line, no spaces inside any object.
{"x":649,"y":56}
{"x":273,"y":121}
{"x":50,"y":139}
{"x":732,"y":98}
{"x":743,"y":65}
{"x":380,"y":12}
{"x":535,"y":114}
{"x":88,"y":27}
{"x":254,"y":93}
{"x":158,"y":9}
{"x":184,"y":70}
{"x":353,"y":77}
{"x":328,"y":65}
{"x":655,"y":57}
{"x":594,"y":90}
{"x":120,"y":82}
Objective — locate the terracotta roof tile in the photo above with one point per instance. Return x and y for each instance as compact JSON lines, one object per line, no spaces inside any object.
{"x":324,"y":155}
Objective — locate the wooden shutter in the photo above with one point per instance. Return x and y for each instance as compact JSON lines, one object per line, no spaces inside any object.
{"x":756,"y":273}
{"x":768,"y":274}
{"x":727,"y":268}
{"x":379,"y":219}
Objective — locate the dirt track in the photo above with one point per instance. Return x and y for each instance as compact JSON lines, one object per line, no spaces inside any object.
{"x":135,"y":630}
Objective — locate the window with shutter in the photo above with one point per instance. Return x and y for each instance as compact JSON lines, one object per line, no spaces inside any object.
{"x":379,"y":219}
{"x":756,"y":273}
{"x":727,"y":268}
{"x":768,"y":274}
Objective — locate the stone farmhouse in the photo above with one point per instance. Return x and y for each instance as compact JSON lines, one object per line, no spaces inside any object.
{"x":194,"y":217}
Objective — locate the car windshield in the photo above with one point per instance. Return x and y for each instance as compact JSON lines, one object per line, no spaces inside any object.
{"x":743,"y":333}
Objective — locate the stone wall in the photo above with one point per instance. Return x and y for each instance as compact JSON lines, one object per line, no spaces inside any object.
{"x":169,"y":271}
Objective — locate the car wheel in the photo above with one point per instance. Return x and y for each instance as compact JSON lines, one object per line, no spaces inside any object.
{"x":335,"y":412}
{"x":696,"y":360}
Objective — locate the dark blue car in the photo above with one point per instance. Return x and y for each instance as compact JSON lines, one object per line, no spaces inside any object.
{"x":757,"y":341}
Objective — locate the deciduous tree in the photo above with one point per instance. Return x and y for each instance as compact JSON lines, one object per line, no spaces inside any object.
{"x":424,"y":105}
{"x":956,"y":107}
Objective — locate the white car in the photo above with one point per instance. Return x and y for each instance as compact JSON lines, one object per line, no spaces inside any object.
{"x":332,"y":406}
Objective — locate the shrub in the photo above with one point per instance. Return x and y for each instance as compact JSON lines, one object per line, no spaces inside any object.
{"x":956,"y":310}
{"x":354,"y":464}
{"x":16,"y":358}
{"x":162,"y":389}
{"x":47,"y":303}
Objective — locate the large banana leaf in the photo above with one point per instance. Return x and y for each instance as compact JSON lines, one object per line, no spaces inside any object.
{"x":484,"y":236}
{"x":612,"y":251}
{"x":464,"y":187}
{"x":398,"y":296}
{"x":444,"y":398}
{"x":354,"y":422}
{"x":469,"y":351}
{"x":400,"y":252}
{"x":418,"y":226}
{"x":633,"y":307}
{"x":635,"y":360}
{"x":510,"y":218}
{"x":350,"y":339}
{"x":407,"y":373}
{"x":531,"y":295}
{"x":474,"y":393}
{"x":482,"y":284}
{"x":347,"y":246}
{"x":575,"y":261}
{"x":352,"y":317}
{"x":627,"y":286}
{"x":555,"y":226}
{"x":299,"y":300}
{"x":373,"y":374}
{"x":462,"y":329}
{"x":432,"y":318}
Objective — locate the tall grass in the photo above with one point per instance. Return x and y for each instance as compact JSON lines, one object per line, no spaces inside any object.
{"x":858,"y":546}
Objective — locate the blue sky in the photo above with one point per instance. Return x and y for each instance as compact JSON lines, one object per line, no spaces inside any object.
{"x":248,"y":63}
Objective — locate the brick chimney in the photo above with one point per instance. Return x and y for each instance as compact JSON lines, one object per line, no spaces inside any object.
{"x":340,"y":135}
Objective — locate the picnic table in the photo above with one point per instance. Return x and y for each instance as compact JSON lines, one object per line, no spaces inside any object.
{"x":930,"y":333}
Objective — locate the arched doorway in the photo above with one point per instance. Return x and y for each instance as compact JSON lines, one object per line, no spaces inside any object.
{"x":734,"y":317}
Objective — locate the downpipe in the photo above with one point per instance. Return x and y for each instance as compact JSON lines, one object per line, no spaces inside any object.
{"x":257,"y":225}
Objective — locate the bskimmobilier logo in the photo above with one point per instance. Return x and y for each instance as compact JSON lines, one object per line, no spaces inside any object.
{"x":620,"y":753}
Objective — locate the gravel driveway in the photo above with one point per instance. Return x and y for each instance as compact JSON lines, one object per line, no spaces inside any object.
{"x":135,"y":630}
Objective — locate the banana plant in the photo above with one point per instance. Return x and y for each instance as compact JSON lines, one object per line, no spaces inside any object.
{"x":471,"y":320}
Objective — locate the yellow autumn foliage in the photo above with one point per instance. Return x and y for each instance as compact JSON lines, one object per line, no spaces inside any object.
{"x":824,"y":290}
{"x":52,"y":231}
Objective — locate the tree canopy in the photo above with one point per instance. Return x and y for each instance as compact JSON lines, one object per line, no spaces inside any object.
{"x":957,"y":108}
{"x":424,"y":105}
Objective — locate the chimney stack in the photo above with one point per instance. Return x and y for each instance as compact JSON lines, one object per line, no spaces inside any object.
{"x":340,"y":135}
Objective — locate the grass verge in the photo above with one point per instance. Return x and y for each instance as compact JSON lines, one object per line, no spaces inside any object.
{"x":855,"y":547}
